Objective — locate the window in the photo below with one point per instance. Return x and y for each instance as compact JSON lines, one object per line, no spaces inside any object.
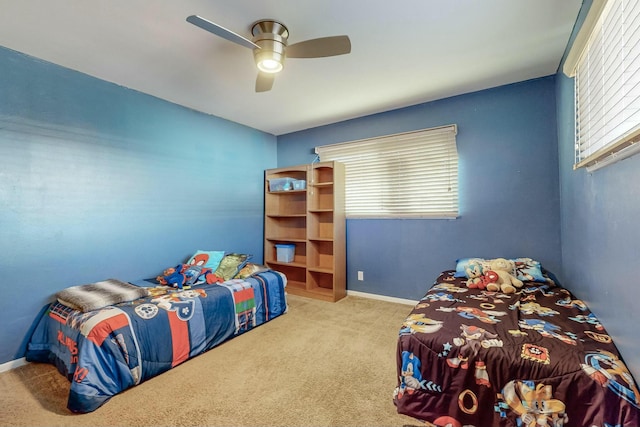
{"x":413,"y":174}
{"x":605,"y":61}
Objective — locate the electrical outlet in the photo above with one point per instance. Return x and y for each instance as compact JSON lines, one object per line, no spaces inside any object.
{"x":360,"y":275}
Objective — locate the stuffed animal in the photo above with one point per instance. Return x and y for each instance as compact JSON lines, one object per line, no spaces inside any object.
{"x":475,"y":272}
{"x":183,"y":276}
{"x":172,"y":277}
{"x":506,"y":281}
{"x":488,"y":277}
{"x":479,"y":276}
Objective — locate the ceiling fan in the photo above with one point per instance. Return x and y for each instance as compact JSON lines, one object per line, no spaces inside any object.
{"x":269,"y":44}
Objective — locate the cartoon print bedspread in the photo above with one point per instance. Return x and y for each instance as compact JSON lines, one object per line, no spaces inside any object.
{"x":104,"y":352}
{"x":468,"y":357}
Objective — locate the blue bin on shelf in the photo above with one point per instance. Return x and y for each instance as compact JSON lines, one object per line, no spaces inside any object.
{"x":285,"y":252}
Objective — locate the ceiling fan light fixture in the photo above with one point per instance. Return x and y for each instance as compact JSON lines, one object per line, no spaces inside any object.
{"x":269,"y":66}
{"x":268,"y":62}
{"x":269,"y":55}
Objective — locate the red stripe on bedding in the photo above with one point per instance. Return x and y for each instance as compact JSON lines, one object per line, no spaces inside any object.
{"x":243,"y":295}
{"x":103,"y":329}
{"x":56,"y":317}
{"x":179,"y":338}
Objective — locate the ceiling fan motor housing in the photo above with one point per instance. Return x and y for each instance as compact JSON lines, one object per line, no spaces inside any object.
{"x":271,"y":36}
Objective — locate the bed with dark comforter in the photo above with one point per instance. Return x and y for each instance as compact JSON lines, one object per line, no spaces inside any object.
{"x":537,"y":357}
{"x":110,"y":349}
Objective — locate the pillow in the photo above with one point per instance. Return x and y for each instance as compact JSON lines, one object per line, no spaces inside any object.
{"x":94,"y":296}
{"x":529,"y":269}
{"x":230,"y":265}
{"x":249,"y":270}
{"x":526,"y":268}
{"x":208,"y":259}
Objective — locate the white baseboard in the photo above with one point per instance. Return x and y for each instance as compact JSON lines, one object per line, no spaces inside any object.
{"x":12,"y":364}
{"x":382,"y":297}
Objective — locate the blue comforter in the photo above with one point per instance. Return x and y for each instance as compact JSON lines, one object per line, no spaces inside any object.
{"x":106,"y":351}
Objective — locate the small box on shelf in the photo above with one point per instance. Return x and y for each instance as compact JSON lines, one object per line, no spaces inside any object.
{"x":299,"y":184}
{"x":281,"y":184}
{"x":285,"y":252}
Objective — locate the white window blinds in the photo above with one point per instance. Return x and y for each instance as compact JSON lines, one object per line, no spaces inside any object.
{"x":412,"y":174}
{"x":607,"y":87}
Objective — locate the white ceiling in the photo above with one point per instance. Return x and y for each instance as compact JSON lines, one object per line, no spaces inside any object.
{"x":403,"y":53}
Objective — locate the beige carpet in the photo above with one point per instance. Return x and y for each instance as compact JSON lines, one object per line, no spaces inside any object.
{"x":321,"y":364}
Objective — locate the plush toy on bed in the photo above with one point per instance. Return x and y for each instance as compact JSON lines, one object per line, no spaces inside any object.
{"x":475,"y":273}
{"x":185,"y":275}
{"x":487,"y":278}
{"x":505,"y":280}
{"x":479,"y":276}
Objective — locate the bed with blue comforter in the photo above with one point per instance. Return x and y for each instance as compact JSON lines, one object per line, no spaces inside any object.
{"x":108,"y":350}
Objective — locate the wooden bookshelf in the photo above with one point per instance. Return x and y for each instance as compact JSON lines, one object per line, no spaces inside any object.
{"x":313,"y":220}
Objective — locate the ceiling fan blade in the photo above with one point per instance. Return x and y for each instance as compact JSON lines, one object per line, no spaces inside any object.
{"x":220,"y":31}
{"x":318,"y":48}
{"x":264,"y":82}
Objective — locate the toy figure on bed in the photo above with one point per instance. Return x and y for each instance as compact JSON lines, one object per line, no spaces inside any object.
{"x":182,"y":276}
{"x":479,"y":276}
{"x":506,"y":281}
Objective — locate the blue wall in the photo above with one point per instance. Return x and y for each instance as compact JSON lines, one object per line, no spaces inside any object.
{"x":508,"y":183}
{"x":100,"y":181}
{"x":600,"y":232}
